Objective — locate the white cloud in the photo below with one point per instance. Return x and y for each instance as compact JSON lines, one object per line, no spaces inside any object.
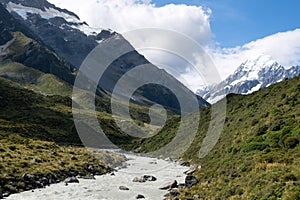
{"x":193,"y":21}
{"x":127,"y":15}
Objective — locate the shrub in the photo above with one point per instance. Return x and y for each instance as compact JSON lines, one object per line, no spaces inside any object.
{"x":12,"y":148}
{"x":291,"y":142}
{"x":276,"y":125}
{"x":261,"y":130}
{"x":254,"y":121}
{"x":253,"y":146}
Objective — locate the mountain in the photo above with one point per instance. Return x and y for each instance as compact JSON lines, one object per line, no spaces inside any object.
{"x":257,"y":154}
{"x":20,"y":44}
{"x":251,"y":76}
{"x":58,"y":28}
{"x":71,"y":39}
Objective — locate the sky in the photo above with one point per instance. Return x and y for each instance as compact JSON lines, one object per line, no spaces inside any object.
{"x":230,"y":31}
{"x":236,"y":22}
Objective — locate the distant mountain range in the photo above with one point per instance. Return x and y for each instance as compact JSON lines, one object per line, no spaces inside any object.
{"x":250,"y":76}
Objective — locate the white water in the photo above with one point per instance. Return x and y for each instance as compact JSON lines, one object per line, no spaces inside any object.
{"x":106,"y":187}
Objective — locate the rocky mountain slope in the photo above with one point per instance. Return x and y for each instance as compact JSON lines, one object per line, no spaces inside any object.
{"x":58,"y":28}
{"x":64,"y":33}
{"x":21,"y":45}
{"x":251,"y":76}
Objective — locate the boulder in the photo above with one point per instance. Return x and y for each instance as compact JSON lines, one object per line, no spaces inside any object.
{"x":149,"y":178}
{"x":144,"y":178}
{"x":38,"y":184}
{"x":139,"y":179}
{"x":71,"y":180}
{"x":28,"y":177}
{"x":169,"y":185}
{"x":123,"y":188}
{"x":88,"y":176}
{"x":183,"y":163}
{"x":139,"y":196}
{"x":191,"y":170}
{"x":6,"y":194}
{"x":175,"y":192}
{"x":190,"y":181}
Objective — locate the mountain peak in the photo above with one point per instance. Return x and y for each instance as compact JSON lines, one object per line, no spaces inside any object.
{"x":251,"y":75}
{"x":260,"y":62}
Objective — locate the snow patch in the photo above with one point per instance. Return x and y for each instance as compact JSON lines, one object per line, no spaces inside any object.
{"x":47,"y":14}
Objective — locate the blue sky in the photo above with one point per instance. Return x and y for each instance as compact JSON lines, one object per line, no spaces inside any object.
{"x":236,"y":22}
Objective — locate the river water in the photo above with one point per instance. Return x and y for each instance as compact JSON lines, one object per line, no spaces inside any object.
{"x":106,"y":187}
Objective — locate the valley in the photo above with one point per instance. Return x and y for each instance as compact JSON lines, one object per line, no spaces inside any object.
{"x":44,"y":155}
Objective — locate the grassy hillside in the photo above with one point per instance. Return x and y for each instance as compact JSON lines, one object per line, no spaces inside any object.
{"x":258,"y":154}
{"x":46,"y":161}
{"x":38,"y":137}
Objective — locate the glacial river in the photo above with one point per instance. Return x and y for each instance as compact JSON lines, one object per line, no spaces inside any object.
{"x":106,"y":187}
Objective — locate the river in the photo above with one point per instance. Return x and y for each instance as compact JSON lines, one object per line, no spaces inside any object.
{"x":106,"y":187}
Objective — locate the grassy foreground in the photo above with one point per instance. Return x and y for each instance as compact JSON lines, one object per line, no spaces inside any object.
{"x":46,"y":161}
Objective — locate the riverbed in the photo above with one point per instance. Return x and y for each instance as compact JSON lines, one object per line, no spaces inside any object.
{"x":106,"y":187}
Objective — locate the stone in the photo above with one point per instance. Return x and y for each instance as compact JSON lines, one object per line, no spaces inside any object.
{"x":144,"y":178}
{"x":191,"y":170}
{"x":139,"y":179}
{"x":6,"y":194}
{"x":139,"y":196}
{"x":183,"y":163}
{"x":190,"y":181}
{"x":38,"y":184}
{"x":175,"y":192}
{"x":28,"y":177}
{"x":149,"y":178}
{"x":88,"y":176}
{"x":71,"y":180}
{"x":169,"y":185}
{"x":123,"y":188}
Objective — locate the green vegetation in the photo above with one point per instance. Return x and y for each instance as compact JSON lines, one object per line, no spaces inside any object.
{"x":19,"y":156}
{"x":34,"y":80}
{"x":258,"y":153}
{"x":38,"y":137}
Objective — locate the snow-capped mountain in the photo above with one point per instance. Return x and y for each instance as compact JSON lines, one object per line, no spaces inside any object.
{"x":251,"y":76}
{"x":58,"y":28}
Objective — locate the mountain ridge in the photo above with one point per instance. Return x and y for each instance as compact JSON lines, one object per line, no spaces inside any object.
{"x":250,"y":76}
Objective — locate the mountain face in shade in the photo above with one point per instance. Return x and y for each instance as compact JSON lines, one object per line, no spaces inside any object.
{"x":251,"y":76}
{"x":64,"y":33}
{"x":60,"y":29}
{"x":20,"y":45}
